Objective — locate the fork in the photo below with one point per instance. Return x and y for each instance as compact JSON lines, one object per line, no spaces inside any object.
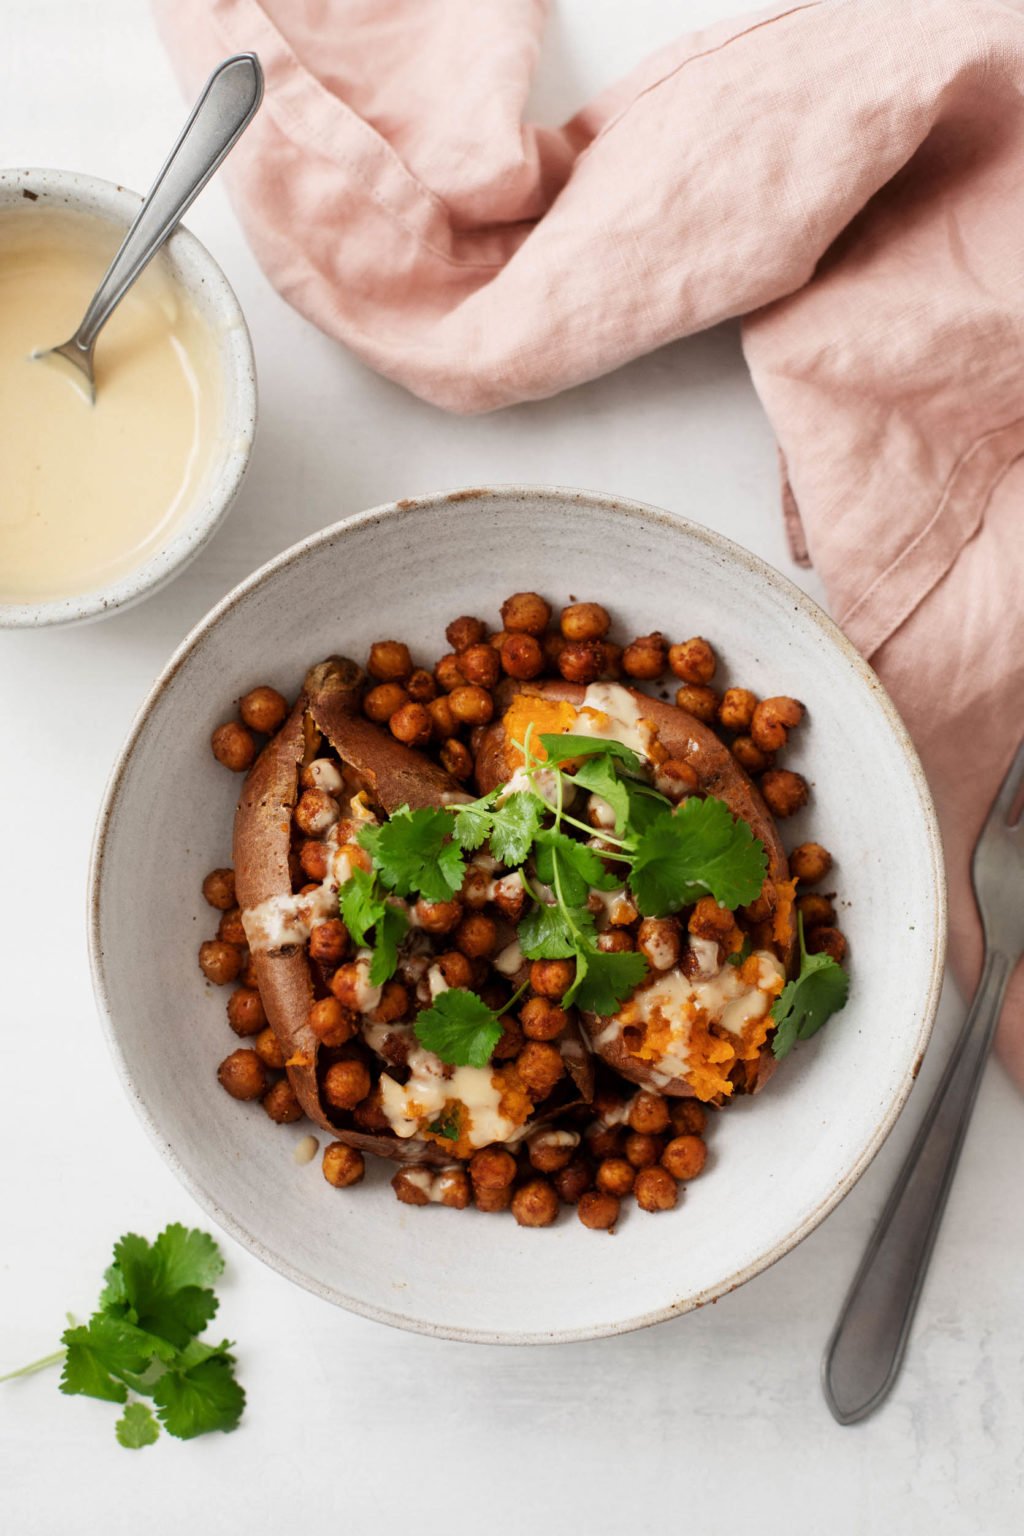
{"x":865,"y":1352}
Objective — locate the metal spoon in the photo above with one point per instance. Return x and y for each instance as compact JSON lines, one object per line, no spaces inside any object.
{"x":226,"y":107}
{"x":866,"y":1350}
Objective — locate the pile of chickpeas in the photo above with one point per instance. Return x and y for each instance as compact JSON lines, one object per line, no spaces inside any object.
{"x":626,"y":1143}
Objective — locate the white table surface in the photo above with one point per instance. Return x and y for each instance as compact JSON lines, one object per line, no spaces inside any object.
{"x":715,"y":1420}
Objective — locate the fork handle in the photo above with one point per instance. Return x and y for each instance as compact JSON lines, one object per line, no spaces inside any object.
{"x":228,"y":103}
{"x":866,"y":1350}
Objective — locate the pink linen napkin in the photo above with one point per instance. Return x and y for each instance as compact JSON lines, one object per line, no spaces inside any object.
{"x":847,"y":174}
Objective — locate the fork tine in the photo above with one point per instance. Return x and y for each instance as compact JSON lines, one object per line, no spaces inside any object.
{"x":1008,"y":791}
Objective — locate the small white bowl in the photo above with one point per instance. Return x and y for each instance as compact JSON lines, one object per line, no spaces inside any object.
{"x":778,"y":1163}
{"x":191,"y":266}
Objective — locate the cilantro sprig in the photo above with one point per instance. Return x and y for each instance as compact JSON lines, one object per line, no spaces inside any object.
{"x":366,"y":909}
{"x":143,"y":1339}
{"x":807,"y":1002}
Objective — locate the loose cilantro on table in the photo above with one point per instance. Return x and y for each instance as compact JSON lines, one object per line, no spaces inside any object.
{"x":142,"y":1338}
{"x":805,"y":1004}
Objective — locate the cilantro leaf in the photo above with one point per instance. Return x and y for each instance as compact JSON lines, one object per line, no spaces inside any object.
{"x":744,"y":952}
{"x":391,"y":929}
{"x":360,"y":904}
{"x":805,"y":1004}
{"x":446,"y":1126}
{"x":597,"y":774}
{"x":185,"y":1257}
{"x":701,"y":849}
{"x":136,"y":1427}
{"x":604,"y":981}
{"x":459,"y":1028}
{"x":412,"y":853}
{"x":515,"y":826}
{"x":472,"y":824}
{"x":646,"y":806}
{"x":204,"y":1397}
{"x":561,"y":748}
{"x":570,"y":867}
{"x":104,"y":1351}
{"x":545,"y":932}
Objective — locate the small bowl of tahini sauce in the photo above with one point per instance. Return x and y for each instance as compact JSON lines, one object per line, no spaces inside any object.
{"x":101,"y":504}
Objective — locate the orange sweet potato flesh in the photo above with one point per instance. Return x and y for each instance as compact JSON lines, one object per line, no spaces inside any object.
{"x":687,"y":740}
{"x":393,"y":775}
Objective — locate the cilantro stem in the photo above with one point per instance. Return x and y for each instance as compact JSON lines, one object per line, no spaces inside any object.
{"x":36,"y":1365}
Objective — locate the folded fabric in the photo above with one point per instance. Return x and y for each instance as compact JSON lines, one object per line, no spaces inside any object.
{"x":845,"y":173}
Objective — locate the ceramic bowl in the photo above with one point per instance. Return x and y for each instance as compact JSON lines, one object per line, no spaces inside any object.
{"x":191,"y":266}
{"x":778,"y":1163}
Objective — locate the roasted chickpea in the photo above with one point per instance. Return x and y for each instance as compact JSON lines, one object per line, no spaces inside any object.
{"x":581,"y":661}
{"x":471,"y":705}
{"x":737,"y":709}
{"x":659,"y":940}
{"x":263,"y":709}
{"x":827,"y":941}
{"x":540,"y":1066}
{"x":511,"y":1042}
{"x":420,"y":686}
{"x":245,"y":1012}
{"x":655,"y":1189}
{"x":342,"y":1166}
{"x":646,"y":657}
{"x":584,"y":621}
{"x":456,"y":759}
{"x":617,"y":941}
{"x":316,"y":812}
{"x":280,"y":1103}
{"x":552,"y":978}
{"x":597,"y":1211}
{"x":750,"y":757}
{"x":345,"y":1083}
{"x":542,"y":1019}
{"x":411,"y":724}
{"x":243,"y":1075}
{"x":384,"y":701}
{"x":784,"y":792}
{"x":510,"y":897}
{"x":810,"y":862}
{"x":394,"y":1004}
{"x":369,"y":1113}
{"x":605,"y":1140}
{"x":699,"y":701}
{"x":526,"y":611}
{"x":464,"y":632}
{"x":220,"y":962}
{"x":247,"y":975}
{"x":693,"y":661}
{"x":452,"y":1186}
{"x":448,"y":673}
{"x":641,"y":1150}
{"x":328,"y":942}
{"x":476,"y":935}
{"x":552,"y":644}
{"x":492,"y":1199}
{"x":612,"y":661}
{"x":332,"y":1022}
{"x":234,"y":746}
{"x":573,"y":1180}
{"x":677,"y":779}
{"x":522,"y":656}
{"x":268,"y":1048}
{"x":480,"y":664}
{"x":455,"y":967}
{"x":408,"y":1188}
{"x":816,"y":911}
{"x":437,"y":916}
{"x":763,"y":906}
{"x":684,"y":1157}
{"x":710,"y":921}
{"x":688,"y":1117}
{"x":648,"y":1112}
{"x":219,"y":889}
{"x":313,"y":860}
{"x":230,"y":928}
{"x":389,"y":661}
{"x":773,"y":720}
{"x":615,"y":1176}
{"x":535,"y":1204}
{"x":550,"y":1151}
{"x":442,"y":722}
{"x":492,"y":1168}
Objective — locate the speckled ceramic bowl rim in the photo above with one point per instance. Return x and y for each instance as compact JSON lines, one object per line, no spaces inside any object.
{"x":629,"y":510}
{"x":196,"y":270}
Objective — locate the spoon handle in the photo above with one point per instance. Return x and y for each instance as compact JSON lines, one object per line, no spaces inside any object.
{"x":227,"y":105}
{"x":864,"y":1353}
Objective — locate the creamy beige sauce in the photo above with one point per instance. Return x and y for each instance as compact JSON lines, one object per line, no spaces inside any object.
{"x":90,"y":491}
{"x":609,"y":712}
{"x":407,"y":1106}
